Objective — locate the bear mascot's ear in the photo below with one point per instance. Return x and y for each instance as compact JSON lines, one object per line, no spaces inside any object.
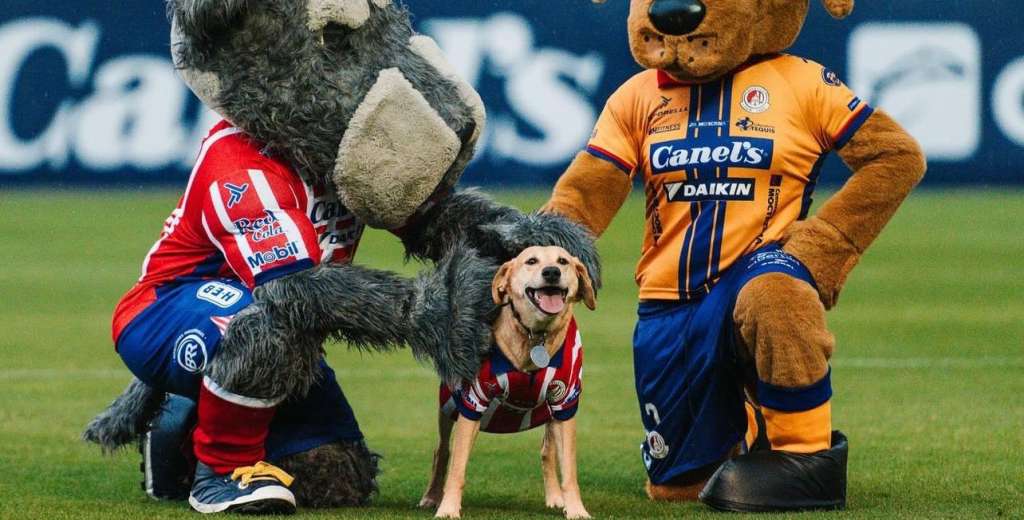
{"x":200,"y":20}
{"x":838,"y":8}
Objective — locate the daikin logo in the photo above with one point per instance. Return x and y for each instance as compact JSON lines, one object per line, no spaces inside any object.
{"x":680,"y":155}
{"x":716,"y":189}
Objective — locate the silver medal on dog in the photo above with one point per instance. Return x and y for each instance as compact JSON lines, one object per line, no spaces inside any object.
{"x":539,"y":356}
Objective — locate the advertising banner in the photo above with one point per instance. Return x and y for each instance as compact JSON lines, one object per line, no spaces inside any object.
{"x":88,"y":94}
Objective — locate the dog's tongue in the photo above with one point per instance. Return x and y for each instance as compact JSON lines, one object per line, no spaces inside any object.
{"x":551,"y":303}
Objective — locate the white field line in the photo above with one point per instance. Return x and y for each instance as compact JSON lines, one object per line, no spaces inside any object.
{"x":349,"y":374}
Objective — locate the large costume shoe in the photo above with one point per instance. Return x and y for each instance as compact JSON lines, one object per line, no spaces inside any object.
{"x":261,"y":489}
{"x":167,"y":464}
{"x":765,"y":480}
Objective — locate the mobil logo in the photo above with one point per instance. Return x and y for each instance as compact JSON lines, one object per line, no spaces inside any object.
{"x":714,"y":151}
{"x":262,"y":258}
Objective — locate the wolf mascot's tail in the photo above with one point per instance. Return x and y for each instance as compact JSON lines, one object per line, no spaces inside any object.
{"x":126,"y":418}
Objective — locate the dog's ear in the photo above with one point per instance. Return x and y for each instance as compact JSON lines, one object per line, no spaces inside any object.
{"x":585,"y":291}
{"x":499,"y":287}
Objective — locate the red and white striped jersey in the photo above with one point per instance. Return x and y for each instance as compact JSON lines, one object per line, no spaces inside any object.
{"x":507,"y":400}
{"x":245,"y":216}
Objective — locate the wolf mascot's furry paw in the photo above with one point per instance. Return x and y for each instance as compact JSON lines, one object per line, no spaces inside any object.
{"x":715,"y":77}
{"x":347,"y":94}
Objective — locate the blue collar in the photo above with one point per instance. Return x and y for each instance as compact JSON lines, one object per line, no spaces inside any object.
{"x":502,"y":365}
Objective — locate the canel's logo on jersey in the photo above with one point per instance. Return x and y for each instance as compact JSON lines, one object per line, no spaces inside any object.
{"x":674,"y":156}
{"x":277,"y":253}
{"x":714,"y":189}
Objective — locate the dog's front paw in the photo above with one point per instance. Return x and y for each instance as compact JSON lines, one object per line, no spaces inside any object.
{"x":554,"y":500}
{"x":577,"y":511}
{"x":429,"y":501}
{"x":448,"y":511}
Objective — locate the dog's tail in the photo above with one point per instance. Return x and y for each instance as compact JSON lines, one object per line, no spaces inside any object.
{"x":126,"y":418}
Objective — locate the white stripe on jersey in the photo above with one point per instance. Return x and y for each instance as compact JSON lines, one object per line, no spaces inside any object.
{"x":527,"y":421}
{"x":180,"y":212}
{"x":225,"y":221}
{"x":549,"y":374}
{"x":489,"y":413}
{"x":270,"y":203}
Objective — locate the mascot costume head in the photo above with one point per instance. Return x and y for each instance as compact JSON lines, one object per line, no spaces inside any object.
{"x":331,"y":85}
{"x":727,"y":134}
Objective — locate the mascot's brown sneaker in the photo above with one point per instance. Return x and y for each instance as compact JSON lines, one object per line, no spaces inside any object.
{"x":766,"y":480}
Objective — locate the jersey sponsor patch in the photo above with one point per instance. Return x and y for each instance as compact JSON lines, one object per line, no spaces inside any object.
{"x":220,"y":294}
{"x":274,"y":254}
{"x":710,"y":190}
{"x":725,"y":152}
{"x":259,"y":229}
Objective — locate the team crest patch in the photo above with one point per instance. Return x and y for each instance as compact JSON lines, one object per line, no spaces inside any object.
{"x":190,"y":351}
{"x":830,"y":77}
{"x":656,"y":445}
{"x":220,"y":294}
{"x":556,"y":391}
{"x":755,"y":100}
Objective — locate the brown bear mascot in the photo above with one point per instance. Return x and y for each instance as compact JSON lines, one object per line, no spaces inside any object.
{"x":731,"y":348}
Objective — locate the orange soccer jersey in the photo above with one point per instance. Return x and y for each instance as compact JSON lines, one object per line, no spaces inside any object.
{"x":726,"y":165}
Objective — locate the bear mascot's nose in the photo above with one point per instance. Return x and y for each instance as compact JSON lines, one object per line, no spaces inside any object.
{"x":677,"y":17}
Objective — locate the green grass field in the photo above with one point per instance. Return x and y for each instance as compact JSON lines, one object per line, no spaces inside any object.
{"x":929,"y":370}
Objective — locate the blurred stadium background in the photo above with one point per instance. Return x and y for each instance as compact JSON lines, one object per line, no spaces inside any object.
{"x":97,"y":136}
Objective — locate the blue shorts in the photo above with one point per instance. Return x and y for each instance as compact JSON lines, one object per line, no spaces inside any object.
{"x":688,"y":380}
{"x":172,"y":341}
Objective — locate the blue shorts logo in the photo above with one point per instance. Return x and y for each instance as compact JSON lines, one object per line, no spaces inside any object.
{"x":220,"y":294}
{"x":190,"y":351}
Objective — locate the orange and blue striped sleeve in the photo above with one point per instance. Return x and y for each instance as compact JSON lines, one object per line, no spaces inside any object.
{"x":835,"y":113}
{"x":615,"y":138}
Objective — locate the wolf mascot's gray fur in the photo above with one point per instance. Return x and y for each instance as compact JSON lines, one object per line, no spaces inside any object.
{"x":353,"y":98}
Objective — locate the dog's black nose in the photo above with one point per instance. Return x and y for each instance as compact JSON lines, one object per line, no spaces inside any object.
{"x":551,"y":274}
{"x":677,"y":17}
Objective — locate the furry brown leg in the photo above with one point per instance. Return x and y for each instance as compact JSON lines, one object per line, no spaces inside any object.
{"x":683,"y":488}
{"x":342,"y":474}
{"x":782,"y":324}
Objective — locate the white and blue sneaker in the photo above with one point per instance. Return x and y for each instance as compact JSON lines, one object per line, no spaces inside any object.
{"x":261,"y":489}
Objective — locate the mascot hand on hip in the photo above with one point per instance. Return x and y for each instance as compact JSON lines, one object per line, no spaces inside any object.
{"x":336,"y":115}
{"x":731,"y":349}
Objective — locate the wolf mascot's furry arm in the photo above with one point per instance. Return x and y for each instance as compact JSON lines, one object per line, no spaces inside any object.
{"x":348,"y":94}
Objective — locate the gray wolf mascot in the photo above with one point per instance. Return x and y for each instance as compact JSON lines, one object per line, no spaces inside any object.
{"x":336,"y":116}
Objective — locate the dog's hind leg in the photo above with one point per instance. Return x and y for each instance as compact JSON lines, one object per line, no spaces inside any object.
{"x":435,"y":489}
{"x":549,"y":467}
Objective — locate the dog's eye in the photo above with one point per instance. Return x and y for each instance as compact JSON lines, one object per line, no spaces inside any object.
{"x":532,"y":261}
{"x":562,"y":261}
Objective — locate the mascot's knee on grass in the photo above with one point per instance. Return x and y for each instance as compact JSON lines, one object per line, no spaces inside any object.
{"x":336,"y":116}
{"x":731,"y":348}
